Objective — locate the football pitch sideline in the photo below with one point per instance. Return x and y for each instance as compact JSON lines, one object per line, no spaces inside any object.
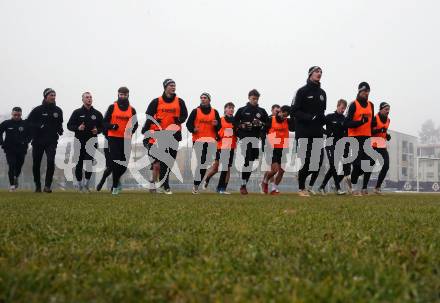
{"x":71,"y":247}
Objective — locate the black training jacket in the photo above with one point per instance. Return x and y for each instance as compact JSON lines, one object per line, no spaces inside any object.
{"x":17,"y":136}
{"x":308,"y":109}
{"x":90,"y":117}
{"x":46,"y":123}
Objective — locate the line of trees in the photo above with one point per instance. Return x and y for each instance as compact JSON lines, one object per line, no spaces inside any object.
{"x":429,"y":133}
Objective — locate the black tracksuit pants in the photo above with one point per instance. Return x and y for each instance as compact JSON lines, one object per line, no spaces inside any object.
{"x":305,"y":171}
{"x":108,"y":166}
{"x":164,"y":173}
{"x":37,"y":155}
{"x":251,"y":154}
{"x":117,"y":153}
{"x":225,"y":156}
{"x":15,"y":162}
{"x":83,"y":155}
{"x":385,"y":165}
{"x":205,"y":152}
{"x":357,"y":164}
{"x":333,"y":170}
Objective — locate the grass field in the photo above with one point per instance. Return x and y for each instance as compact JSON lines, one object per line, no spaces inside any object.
{"x":140,"y":247}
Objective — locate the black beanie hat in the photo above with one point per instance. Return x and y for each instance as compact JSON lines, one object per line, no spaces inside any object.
{"x":47,"y":92}
{"x":313,"y":69}
{"x":167,"y":82}
{"x":363,"y":86}
{"x":123,"y":90}
{"x":206,"y":95}
{"x":383,"y":105}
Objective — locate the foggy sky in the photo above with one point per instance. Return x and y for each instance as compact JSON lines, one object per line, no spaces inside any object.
{"x":223,"y":47}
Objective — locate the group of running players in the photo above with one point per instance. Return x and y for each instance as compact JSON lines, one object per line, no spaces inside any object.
{"x":250,"y":127}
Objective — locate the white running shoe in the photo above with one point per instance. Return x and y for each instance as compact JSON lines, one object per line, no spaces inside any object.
{"x":195,"y":190}
{"x":224,"y":192}
{"x":311,"y":191}
{"x":378,"y":191}
{"x":303,"y":193}
{"x":86,"y":189}
{"x":152,"y":187}
{"x":205,"y":186}
{"x":12,"y":188}
{"x":78,"y":186}
{"x":322,"y":191}
{"x":340,"y":192}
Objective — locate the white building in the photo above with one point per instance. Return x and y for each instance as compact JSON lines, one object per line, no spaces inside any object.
{"x":402,"y":149}
{"x":429,"y":166}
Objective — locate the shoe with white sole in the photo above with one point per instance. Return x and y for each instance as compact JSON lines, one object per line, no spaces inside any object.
{"x":275,"y":192}
{"x":340,"y":192}
{"x":357,"y":192}
{"x":303,"y":193}
{"x":311,"y":191}
{"x":223,"y":192}
{"x":86,"y":189}
{"x":78,"y":186}
{"x":243,"y":190}
{"x":264,"y":188}
{"x":205,"y":186}
{"x":152,"y":187}
{"x":322,"y":191}
{"x":195,"y":190}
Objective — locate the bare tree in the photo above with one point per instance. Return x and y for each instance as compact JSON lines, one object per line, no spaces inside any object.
{"x":429,"y":134}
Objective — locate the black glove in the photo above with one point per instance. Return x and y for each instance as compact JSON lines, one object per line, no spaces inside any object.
{"x":144,"y":129}
{"x":114,"y":126}
{"x":146,"y":142}
{"x":383,"y":130}
{"x":176,"y":120}
{"x":257,"y":123}
{"x":388,"y":137}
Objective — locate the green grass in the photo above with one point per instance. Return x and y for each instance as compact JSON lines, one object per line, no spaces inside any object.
{"x":139,"y":247}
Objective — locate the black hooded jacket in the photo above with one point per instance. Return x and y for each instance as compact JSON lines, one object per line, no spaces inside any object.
{"x":335,"y":126}
{"x":308,"y":109}
{"x":46,"y":123}
{"x":249,"y":114}
{"x":91,"y":118}
{"x":17,"y":136}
